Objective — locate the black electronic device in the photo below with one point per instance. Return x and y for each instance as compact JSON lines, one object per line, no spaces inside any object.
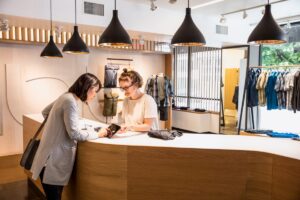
{"x":112,"y":129}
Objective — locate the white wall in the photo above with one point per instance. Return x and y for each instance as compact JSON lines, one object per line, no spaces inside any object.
{"x":23,"y":63}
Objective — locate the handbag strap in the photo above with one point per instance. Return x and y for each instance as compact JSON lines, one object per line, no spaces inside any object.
{"x":40,"y":128}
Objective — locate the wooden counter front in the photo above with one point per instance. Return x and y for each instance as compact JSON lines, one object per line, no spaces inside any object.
{"x":119,"y":172}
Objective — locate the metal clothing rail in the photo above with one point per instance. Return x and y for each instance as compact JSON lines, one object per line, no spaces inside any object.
{"x":120,"y":59}
{"x":276,"y":66}
{"x":246,"y":86}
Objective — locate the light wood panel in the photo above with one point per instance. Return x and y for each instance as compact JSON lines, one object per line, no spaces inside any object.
{"x":286,"y":179}
{"x":168,"y":173}
{"x":168,"y":72}
{"x":101,"y":171}
{"x":107,"y":171}
{"x":10,"y":170}
{"x":231,"y":80}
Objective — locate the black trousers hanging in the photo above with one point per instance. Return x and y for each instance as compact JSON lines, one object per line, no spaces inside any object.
{"x":53,"y":192}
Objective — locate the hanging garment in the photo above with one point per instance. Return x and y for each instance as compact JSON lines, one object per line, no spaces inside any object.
{"x":288,"y":87}
{"x":110,"y":76}
{"x":252,"y":93}
{"x":110,"y":104}
{"x":271,"y":94}
{"x":281,"y":94}
{"x":235,"y":98}
{"x":161,"y":89}
{"x":163,"y":111}
{"x":260,"y":86}
{"x":296,"y":93}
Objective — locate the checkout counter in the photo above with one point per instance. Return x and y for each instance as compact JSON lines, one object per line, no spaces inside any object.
{"x":134,"y":166}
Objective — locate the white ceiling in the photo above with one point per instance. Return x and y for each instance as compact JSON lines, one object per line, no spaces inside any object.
{"x":213,"y":9}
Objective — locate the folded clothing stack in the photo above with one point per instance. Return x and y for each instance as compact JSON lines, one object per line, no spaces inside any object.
{"x":282,"y":135}
{"x":165,"y":134}
{"x":273,"y":133}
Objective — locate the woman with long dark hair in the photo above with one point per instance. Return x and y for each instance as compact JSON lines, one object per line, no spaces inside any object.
{"x":55,"y":157}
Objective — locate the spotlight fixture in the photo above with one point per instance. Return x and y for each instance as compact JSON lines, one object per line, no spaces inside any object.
{"x":76,"y":45}
{"x":245,"y":15}
{"x":188,"y":34}
{"x":115,"y":35}
{"x":267,"y":31}
{"x":222,"y":19}
{"x":172,"y":1}
{"x":51,"y":50}
{"x":153,"y":7}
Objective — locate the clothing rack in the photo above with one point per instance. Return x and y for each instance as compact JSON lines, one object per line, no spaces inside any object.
{"x":120,"y":59}
{"x":245,"y":90}
{"x":275,"y":66}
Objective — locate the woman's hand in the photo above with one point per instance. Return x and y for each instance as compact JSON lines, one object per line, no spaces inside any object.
{"x":102,"y":132}
{"x":123,"y":129}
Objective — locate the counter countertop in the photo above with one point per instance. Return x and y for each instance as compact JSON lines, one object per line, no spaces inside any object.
{"x":283,"y":147}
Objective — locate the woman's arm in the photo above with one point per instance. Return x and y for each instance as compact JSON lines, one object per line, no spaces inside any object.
{"x":71,"y":121}
{"x":145,"y":127}
{"x":47,"y":110}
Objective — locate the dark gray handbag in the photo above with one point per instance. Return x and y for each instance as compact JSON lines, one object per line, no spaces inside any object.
{"x":31,"y":148}
{"x":164,"y":134}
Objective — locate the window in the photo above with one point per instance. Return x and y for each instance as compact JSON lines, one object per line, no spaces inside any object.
{"x":196,"y":76}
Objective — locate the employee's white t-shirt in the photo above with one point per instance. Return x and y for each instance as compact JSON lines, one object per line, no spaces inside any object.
{"x":135,"y":111}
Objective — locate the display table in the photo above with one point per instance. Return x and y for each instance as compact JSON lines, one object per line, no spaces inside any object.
{"x":194,"y":166}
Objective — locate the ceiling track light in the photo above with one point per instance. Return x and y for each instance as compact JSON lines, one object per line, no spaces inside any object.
{"x":267,"y":31}
{"x":245,"y":15}
{"x":188,"y":34}
{"x":51,"y":50}
{"x":115,"y":35}
{"x":76,"y":45}
{"x":222,"y":19}
{"x":153,"y":7}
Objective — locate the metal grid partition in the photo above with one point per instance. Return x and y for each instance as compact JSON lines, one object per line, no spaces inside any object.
{"x":196,"y":75}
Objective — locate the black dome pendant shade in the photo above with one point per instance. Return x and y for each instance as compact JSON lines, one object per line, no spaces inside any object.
{"x":115,"y":34}
{"x":76,"y":45}
{"x":267,"y":31}
{"x":188,"y":34}
{"x":51,"y":50}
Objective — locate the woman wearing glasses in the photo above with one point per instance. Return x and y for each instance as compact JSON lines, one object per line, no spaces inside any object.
{"x":139,"y":110}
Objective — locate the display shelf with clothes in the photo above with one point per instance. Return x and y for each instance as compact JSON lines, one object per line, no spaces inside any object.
{"x":113,"y":69}
{"x":273,"y":87}
{"x":159,"y":86}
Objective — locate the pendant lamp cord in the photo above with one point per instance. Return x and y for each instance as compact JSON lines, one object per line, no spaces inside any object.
{"x":188,"y":3}
{"x":75,"y":14}
{"x":115,"y":4}
{"x":51,"y":17}
{"x":268,"y":2}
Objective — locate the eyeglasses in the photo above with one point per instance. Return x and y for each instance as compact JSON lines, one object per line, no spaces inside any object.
{"x":126,"y":88}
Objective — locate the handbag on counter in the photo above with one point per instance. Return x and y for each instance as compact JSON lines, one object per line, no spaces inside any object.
{"x":164,"y":134}
{"x":31,"y":148}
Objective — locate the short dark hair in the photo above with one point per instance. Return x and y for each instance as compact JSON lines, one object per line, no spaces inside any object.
{"x":82,"y":85}
{"x":135,"y":77}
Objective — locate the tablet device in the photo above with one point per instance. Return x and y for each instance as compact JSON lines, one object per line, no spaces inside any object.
{"x":112,"y":129}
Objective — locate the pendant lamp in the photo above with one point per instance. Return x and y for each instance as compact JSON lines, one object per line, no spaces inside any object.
{"x":51,"y":50}
{"x":267,"y":31}
{"x":75,"y":45}
{"x":115,"y":34}
{"x":188,"y":34}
